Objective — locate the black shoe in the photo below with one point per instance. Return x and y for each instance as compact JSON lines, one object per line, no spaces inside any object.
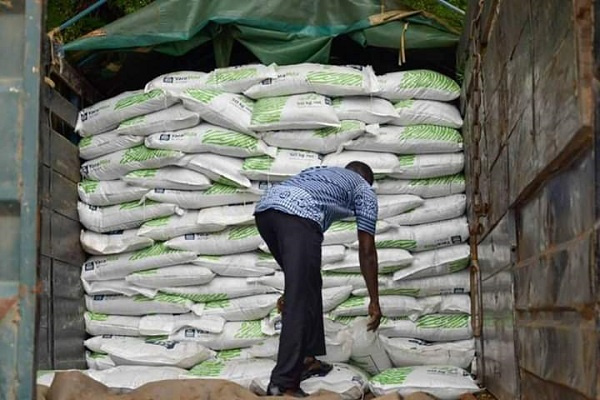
{"x":273,"y":390}
{"x":321,"y":369}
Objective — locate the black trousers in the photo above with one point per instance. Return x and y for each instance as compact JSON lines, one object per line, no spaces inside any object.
{"x":295,"y":243}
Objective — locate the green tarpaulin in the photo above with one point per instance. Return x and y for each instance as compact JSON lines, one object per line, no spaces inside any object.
{"x":280,"y":31}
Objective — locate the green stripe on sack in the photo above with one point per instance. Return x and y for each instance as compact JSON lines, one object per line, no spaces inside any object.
{"x":97,"y":316}
{"x":229,"y":139}
{"x":170,"y":298}
{"x":208,"y":368}
{"x":249,"y":330}
{"x":342,"y":226}
{"x":268,"y":110}
{"x":404,"y":104}
{"x":231,"y":75}
{"x":352,"y":302}
{"x":204,"y":96}
{"x":162,"y":221}
{"x":407,"y":160}
{"x":142,"y":153}
{"x":242,"y":232}
{"x":396,"y":244}
{"x":143,"y":173}
{"x":203,"y":297}
{"x":262,"y":163}
{"x":218,"y":189}
{"x":158,"y":249}
{"x":430,"y":132}
{"x":230,"y":354}
{"x":392,"y":376}
{"x":346,"y":125}
{"x":422,"y":79}
{"x":400,"y":292}
{"x":334,"y":78}
{"x":137,"y":99}
{"x":130,"y":205}
{"x":458,"y":265}
{"x":449,"y":321}
{"x":89,"y":186}
{"x":217,"y":304}
{"x":443,"y":180}
{"x":85,"y":142}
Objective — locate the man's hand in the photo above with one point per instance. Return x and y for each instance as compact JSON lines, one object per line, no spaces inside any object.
{"x":375,"y":314}
{"x":280,"y":304}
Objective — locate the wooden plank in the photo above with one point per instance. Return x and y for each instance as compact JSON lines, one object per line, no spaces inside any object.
{"x":45,"y":137}
{"x":60,"y":106}
{"x":45,"y":228}
{"x":66,"y":282}
{"x":45,"y":187}
{"x":65,"y":240}
{"x":65,"y":156}
{"x":64,"y":196}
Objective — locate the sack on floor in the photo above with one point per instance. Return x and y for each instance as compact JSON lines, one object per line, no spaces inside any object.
{"x":220,"y":288}
{"x":242,"y":372}
{"x":243,"y":308}
{"x":176,"y":275}
{"x":118,"y":164}
{"x":219,"y":169}
{"x":425,"y":188}
{"x":442,"y":381}
{"x":150,"y":351}
{"x":345,"y":232}
{"x":233,"y":240}
{"x":91,"y":147}
{"x":107,"y":114}
{"x":236,"y":265}
{"x":102,"y":268}
{"x":405,"y":352}
{"x":208,"y":138}
{"x":235,"y":335}
{"x":108,"y":193}
{"x":130,"y":377}
{"x":380,"y":163}
{"x":167,"y":324}
{"x":322,"y":141}
{"x":170,"y":119}
{"x":415,"y":139}
{"x":168,"y":178}
{"x":347,"y":381}
{"x":329,"y":80}
{"x":113,"y":242}
{"x":424,"y":237}
{"x":137,"y":305}
{"x":97,"y":324}
{"x":457,"y":283}
{"x":301,"y":111}
{"x":391,"y":205}
{"x":418,"y":84}
{"x":237,"y":79}
{"x":176,"y":82}
{"x":389,"y":260}
{"x":116,"y":286}
{"x":286,"y":164}
{"x":433,"y":210}
{"x":431,"y":327}
{"x":216,"y":195}
{"x":427,"y":112}
{"x":370,"y":110}
{"x":436,"y":262}
{"x":422,"y":166}
{"x":367,"y":350}
{"x":231,"y":111}
{"x":172,"y":226}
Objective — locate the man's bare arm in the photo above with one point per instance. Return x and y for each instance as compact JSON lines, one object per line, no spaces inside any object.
{"x":368,"y":267}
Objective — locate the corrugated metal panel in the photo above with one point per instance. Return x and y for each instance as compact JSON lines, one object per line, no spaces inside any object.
{"x":20,"y":30}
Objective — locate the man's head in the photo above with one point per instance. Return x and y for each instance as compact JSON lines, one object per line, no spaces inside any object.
{"x":362,"y":169}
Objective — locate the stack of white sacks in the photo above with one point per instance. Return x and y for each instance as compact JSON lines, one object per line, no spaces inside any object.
{"x":178,"y":280}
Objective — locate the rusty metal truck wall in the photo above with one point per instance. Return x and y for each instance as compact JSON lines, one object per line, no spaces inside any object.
{"x":530,"y":128}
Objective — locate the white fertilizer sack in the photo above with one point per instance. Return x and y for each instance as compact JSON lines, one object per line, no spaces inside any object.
{"x":418,"y":84}
{"x":105,"y":143}
{"x":168,"y":178}
{"x":208,"y":138}
{"x":432,"y":210}
{"x":428,"y":165}
{"x":98,"y":361}
{"x":347,"y":381}
{"x":415,"y":139}
{"x":370,"y":110}
{"x":446,"y":304}
{"x":389,"y":260}
{"x":444,"y":382}
{"x":367,"y":350}
{"x":235,"y":335}
{"x":424,"y":237}
{"x":166,"y":228}
{"x":436,"y":262}
{"x":220,"y":169}
{"x":330,"y":80}
{"x":233,"y":240}
{"x":122,"y":216}
{"x":176,"y":275}
{"x":456,"y":283}
{"x":380,"y":163}
{"x":107,"y":193}
{"x":102,"y":268}
{"x":116,"y":286}
{"x":236,"y":265}
{"x":167,"y":324}
{"x":391,"y":205}
{"x":391,"y":306}
{"x":113,"y":242}
{"x":345,"y":232}
{"x":405,"y":352}
{"x":286,"y":163}
{"x":176,"y":82}
{"x":137,"y":305}
{"x":426,"y":188}
{"x":232,"y":111}
{"x":329,"y":254}
{"x":238,"y":78}
{"x":334,"y":296}
{"x":243,"y":308}
{"x":216,"y":195}
{"x":330,"y":280}
{"x":170,"y":119}
{"x":107,"y":114}
{"x":130,"y":377}
{"x":301,"y":111}
{"x":323,"y":140}
{"x":426,"y":112}
{"x":97,"y":324}
{"x":431,"y":327}
{"x":152,"y":351}
{"x":243,"y":372}
{"x":227,"y":215}
{"x":220,"y":288}
{"x":119,"y":163}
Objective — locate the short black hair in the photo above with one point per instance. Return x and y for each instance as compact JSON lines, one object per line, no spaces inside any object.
{"x":362,"y":169}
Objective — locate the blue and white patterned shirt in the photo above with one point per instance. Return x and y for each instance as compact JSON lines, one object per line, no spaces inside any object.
{"x":325,"y":195}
